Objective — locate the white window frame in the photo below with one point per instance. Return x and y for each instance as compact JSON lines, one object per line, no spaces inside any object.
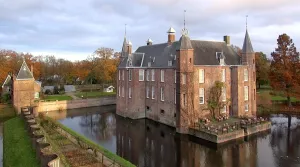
{"x":141,"y":74}
{"x":147,"y":92}
{"x":123,"y":74}
{"x":170,"y":63}
{"x":162,"y":75}
{"x":129,"y":92}
{"x":223,"y":75}
{"x":147,"y":75}
{"x":201,"y":76}
{"x":224,"y":109}
{"x":152,"y":75}
{"x":246,"y":107}
{"x":224,"y":94}
{"x":246,"y":93}
{"x":153,"y":92}
{"x":183,"y":79}
{"x":119,"y":90}
{"x":246,"y":74}
{"x":119,"y":75}
{"x":123,"y":91}
{"x":162,"y":94}
{"x":201,"y":96}
{"x":129,"y":74}
{"x":174,"y":95}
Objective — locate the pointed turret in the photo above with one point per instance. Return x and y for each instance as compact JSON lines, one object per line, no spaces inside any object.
{"x":124,"y":48}
{"x":247,"y":47}
{"x":24,"y":72}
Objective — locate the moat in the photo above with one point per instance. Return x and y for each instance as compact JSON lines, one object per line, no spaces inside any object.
{"x":149,"y":144}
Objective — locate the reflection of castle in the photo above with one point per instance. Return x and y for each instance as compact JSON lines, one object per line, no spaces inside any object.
{"x":150,"y":144}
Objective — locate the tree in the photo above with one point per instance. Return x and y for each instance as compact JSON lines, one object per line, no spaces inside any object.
{"x":284,"y":69}
{"x":214,"y":102}
{"x":262,"y":69}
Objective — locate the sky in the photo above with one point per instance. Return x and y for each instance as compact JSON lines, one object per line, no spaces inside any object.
{"x":74,"y":29}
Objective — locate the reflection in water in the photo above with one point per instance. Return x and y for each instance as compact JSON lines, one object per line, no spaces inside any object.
{"x":150,"y":144}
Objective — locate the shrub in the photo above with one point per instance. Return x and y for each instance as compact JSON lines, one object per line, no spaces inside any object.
{"x":62,"y":89}
{"x":5,"y":98}
{"x":48,"y":92}
{"x":55,"y":90}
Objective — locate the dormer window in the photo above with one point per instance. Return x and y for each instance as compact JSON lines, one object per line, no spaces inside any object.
{"x":170,"y":63}
{"x":221,"y":58}
{"x":149,"y":64}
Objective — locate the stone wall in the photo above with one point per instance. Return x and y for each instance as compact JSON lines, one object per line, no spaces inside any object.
{"x":72,"y":104}
{"x":257,"y":128}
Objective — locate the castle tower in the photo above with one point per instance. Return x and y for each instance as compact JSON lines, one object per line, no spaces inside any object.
{"x":185,"y":86}
{"x":248,"y":59}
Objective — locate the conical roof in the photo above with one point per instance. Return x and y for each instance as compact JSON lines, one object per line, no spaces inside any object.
{"x":247,"y":47}
{"x":24,"y":72}
{"x":171,"y":30}
{"x":184,"y":43}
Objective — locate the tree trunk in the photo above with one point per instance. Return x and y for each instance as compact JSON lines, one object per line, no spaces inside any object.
{"x":289,"y":101}
{"x":258,"y":85}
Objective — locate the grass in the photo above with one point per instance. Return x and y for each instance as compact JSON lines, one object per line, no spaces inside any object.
{"x":17,"y":149}
{"x":57,"y":97}
{"x":105,"y":152}
{"x":6,"y":112}
{"x":279,"y":98}
{"x":94,"y":94}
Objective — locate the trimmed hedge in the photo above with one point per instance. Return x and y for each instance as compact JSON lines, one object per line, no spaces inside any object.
{"x":105,"y":152}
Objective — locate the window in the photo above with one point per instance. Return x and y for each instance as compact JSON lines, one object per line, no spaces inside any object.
{"x":148,"y":108}
{"x":162,"y":111}
{"x":201,"y":75}
{"x":223,"y":94}
{"x":174,"y":76}
{"x":223,"y":75}
{"x":245,"y":74}
{"x":201,"y":95}
{"x":183,"y":78}
{"x":170,"y":63}
{"x":152,"y":75}
{"x":129,"y":75}
{"x":141,"y":75}
{"x":162,"y":76}
{"x":147,"y":74}
{"x":153,"y":91}
{"x":123,"y":75}
{"x":119,"y":74}
{"x":190,"y":60}
{"x":222,"y":63}
{"x":129,"y":92}
{"x":246,"y":92}
{"x":184,"y":100}
{"x":123,"y":92}
{"x":119,"y":90}
{"x":147,"y":92}
{"x":149,"y":64}
{"x":223,"y":110}
{"x":246,"y":107}
{"x":162,"y":94}
{"x":174,"y":95}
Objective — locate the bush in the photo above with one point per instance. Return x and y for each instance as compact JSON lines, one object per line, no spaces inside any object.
{"x":48,"y":92}
{"x":5,"y":98}
{"x":55,"y":90}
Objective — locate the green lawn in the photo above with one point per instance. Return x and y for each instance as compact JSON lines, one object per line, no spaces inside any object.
{"x":57,"y":97}
{"x":94,"y":94}
{"x":6,"y":112}
{"x":275,"y":98}
{"x":17,"y":149}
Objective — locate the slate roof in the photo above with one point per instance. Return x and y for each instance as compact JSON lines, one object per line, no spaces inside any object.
{"x":7,"y":81}
{"x":24,"y":73}
{"x":247,"y":47}
{"x":205,"y":53}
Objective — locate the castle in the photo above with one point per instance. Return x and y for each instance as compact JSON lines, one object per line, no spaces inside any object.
{"x":170,"y":82}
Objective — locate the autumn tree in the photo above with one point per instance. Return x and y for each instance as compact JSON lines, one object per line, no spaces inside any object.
{"x":262,"y":69}
{"x":284,"y":69}
{"x":215,"y":101}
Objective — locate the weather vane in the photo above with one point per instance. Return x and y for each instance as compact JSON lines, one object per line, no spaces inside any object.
{"x":246,"y":21}
{"x":184,"y":30}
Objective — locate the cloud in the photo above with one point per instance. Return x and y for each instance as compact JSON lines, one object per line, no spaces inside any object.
{"x":73,"y":27}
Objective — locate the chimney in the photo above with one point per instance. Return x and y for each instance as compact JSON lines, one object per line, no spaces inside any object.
{"x":227,"y":40}
{"x":129,"y":47}
{"x":149,"y":42}
{"x":171,"y":35}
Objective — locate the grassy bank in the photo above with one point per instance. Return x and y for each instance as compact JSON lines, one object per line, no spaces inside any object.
{"x":91,"y":144}
{"x":6,"y":112}
{"x":57,"y":97}
{"x":94,"y":94}
{"x":17,"y":149}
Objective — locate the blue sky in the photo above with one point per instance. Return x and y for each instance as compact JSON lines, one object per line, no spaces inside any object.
{"x":73,"y":29}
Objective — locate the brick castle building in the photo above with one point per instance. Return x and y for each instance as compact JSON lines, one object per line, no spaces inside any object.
{"x":170,"y":82}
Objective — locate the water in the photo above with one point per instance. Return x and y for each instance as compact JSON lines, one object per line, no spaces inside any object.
{"x":150,"y":144}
